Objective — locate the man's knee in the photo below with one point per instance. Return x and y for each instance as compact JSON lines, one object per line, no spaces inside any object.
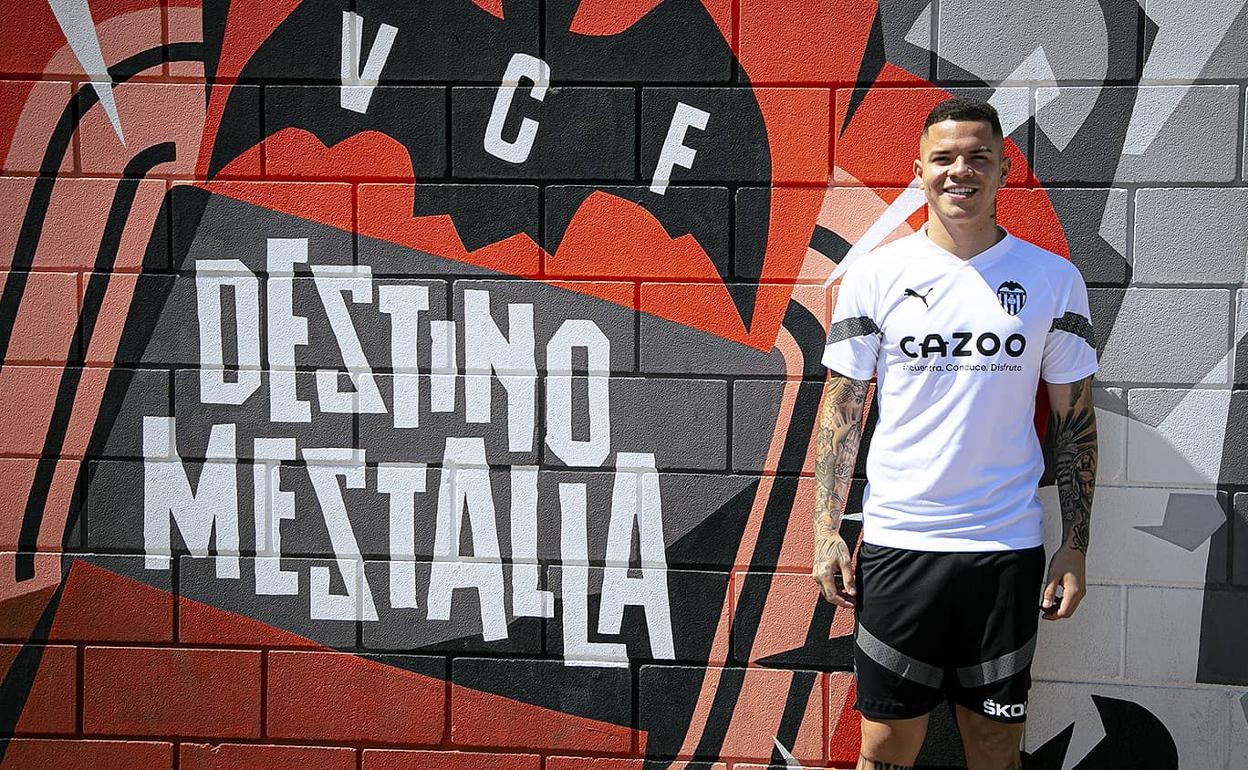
{"x":889,"y":743}
{"x":988,"y":743}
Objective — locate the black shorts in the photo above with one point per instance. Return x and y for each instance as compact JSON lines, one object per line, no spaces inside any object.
{"x":932,"y":626}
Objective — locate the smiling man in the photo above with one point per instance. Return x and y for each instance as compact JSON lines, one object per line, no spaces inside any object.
{"x":958,"y":322}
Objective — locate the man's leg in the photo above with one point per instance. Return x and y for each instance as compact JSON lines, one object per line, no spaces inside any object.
{"x":891,"y":744}
{"x":989,"y":745}
{"x":997,"y":622}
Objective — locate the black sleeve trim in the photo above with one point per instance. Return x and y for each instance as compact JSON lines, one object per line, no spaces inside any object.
{"x":1075,"y":324}
{"x":848,"y":328}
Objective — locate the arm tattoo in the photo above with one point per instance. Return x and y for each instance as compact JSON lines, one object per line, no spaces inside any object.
{"x":1070,"y":450}
{"x":875,"y":764}
{"x":836,"y":449}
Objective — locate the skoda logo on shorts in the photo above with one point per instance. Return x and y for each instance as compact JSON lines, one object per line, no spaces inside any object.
{"x":1013,"y":296}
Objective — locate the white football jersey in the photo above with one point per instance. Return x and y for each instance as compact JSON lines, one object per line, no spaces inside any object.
{"x":958,"y":348}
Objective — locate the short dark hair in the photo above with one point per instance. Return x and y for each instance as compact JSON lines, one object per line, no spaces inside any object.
{"x":961,"y":108}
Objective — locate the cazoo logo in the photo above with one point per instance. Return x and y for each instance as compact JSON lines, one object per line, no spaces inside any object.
{"x":963,"y":344}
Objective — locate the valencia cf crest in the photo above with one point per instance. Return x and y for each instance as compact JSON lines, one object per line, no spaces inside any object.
{"x":1012,"y":296}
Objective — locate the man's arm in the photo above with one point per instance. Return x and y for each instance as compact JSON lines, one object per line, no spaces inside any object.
{"x":836,"y":450}
{"x":1070,"y":450}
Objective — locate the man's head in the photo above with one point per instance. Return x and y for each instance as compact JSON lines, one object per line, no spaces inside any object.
{"x":962,"y":161}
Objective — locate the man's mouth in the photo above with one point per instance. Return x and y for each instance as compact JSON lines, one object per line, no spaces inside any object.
{"x":960,"y":193}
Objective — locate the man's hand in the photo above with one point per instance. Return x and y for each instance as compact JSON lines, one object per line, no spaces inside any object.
{"x":1067,"y":570}
{"x":832,"y":561}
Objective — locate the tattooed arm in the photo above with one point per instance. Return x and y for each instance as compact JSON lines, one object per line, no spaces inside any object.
{"x":836,"y":449}
{"x":1070,"y":451}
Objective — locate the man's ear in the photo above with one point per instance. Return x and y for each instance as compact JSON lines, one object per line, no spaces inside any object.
{"x":1005,"y":167}
{"x":918,"y":168}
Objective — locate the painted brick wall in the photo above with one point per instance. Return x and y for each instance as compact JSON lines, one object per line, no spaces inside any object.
{"x":431,"y":385}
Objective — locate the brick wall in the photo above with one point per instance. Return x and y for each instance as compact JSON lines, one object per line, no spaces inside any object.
{"x":431,"y":385}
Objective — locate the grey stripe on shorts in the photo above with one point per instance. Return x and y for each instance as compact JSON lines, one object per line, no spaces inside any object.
{"x":896,"y":661}
{"x":1002,"y":667}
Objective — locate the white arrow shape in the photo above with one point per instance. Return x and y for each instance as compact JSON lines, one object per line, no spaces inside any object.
{"x":1180,"y":51}
{"x":790,"y":761}
{"x":910,"y":200}
{"x":74,"y":18}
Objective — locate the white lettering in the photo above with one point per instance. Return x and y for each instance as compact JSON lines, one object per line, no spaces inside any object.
{"x":332,"y":281}
{"x":401,"y":483}
{"x":526,"y":600}
{"x":356,"y":90}
{"x":272,"y":506}
{"x":324,"y":468}
{"x":210,"y":509}
{"x":635,"y":498}
{"x":211,"y":275}
{"x":592,"y":451}
{"x":574,"y":586}
{"x":404,"y":305}
{"x":444,"y":361}
{"x":510,"y":358}
{"x":483,"y":570}
{"x":675,"y":152}
{"x":529,"y":68}
{"x":286,"y":330}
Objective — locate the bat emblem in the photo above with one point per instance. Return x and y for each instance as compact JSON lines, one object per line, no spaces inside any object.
{"x":1012,"y":296}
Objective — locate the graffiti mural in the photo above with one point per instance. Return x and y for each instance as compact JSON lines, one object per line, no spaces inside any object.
{"x":432,"y":384}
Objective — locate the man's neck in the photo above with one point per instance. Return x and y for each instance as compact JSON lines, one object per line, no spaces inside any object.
{"x":964,"y":239}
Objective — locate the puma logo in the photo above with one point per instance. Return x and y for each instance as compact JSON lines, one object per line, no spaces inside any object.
{"x":913,"y":293}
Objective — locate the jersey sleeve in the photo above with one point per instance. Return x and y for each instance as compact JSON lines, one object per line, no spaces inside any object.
{"x":853,"y":344}
{"x":1070,"y":346}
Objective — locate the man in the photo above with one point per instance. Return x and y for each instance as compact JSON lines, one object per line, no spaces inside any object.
{"x":958,"y":323}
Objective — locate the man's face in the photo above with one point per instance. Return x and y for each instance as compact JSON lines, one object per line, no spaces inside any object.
{"x":960,"y":166}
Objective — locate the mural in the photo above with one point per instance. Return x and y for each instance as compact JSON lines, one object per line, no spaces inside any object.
{"x":432,"y":384}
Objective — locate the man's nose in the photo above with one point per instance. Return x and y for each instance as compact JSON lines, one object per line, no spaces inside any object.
{"x":960,"y":167}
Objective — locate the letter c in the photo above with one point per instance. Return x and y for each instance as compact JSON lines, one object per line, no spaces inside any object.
{"x":906,"y":341}
{"x":521,"y":66}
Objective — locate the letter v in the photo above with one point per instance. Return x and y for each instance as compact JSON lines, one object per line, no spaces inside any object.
{"x":357,"y":88}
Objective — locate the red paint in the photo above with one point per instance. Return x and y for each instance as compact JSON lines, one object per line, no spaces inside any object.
{"x":45,"y":322}
{"x":28,"y":753}
{"x":29,"y":44}
{"x":74,"y":226}
{"x":609,"y":17}
{"x":483,"y":719}
{"x":51,"y":706}
{"x":17,"y":475}
{"x":239,"y":756}
{"x":150,"y":113}
{"x":380,"y":759}
{"x":331,"y":696}
{"x":98,"y":605}
{"x":248,"y":24}
{"x":28,"y":113}
{"x":788,"y":42}
{"x":193,"y":693}
{"x":366,"y":155}
{"x":492,"y":7}
{"x":200,"y":623}
{"x":789,"y":596}
{"x":845,"y":737}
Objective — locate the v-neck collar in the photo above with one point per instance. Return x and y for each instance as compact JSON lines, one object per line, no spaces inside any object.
{"x":989,"y":254}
